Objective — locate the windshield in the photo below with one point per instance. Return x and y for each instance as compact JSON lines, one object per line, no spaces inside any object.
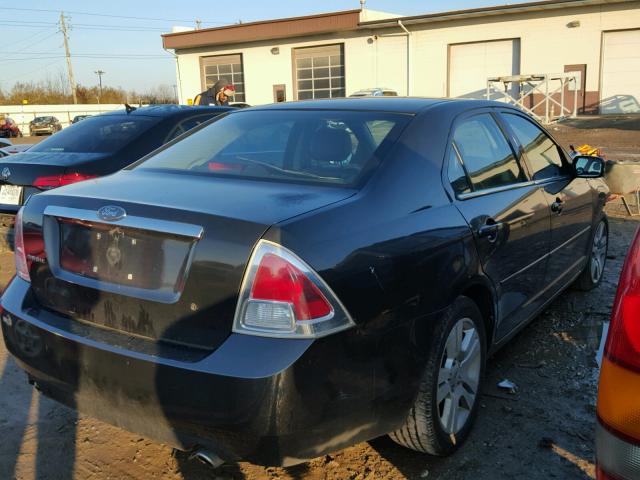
{"x":335,"y":147}
{"x":100,"y":134}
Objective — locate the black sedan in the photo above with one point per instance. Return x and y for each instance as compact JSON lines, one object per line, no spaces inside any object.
{"x":97,"y":146}
{"x":293,"y":279}
{"x":79,"y":118}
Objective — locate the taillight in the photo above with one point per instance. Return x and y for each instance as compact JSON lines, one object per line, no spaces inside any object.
{"x":22,"y":267}
{"x":623,"y":340}
{"x":28,"y":247}
{"x":282,"y":296}
{"x":54,"y":181}
{"x":618,"y":430}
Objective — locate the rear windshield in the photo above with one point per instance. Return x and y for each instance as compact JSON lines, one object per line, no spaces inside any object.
{"x":335,"y":147}
{"x":99,"y":134}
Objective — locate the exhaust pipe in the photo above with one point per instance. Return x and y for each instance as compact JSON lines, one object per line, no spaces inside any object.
{"x":207,"y":457}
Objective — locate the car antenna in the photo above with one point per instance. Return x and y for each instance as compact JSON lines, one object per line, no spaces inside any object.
{"x":129,"y":108}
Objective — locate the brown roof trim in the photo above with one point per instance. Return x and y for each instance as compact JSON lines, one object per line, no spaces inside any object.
{"x":488,"y":11}
{"x":264,"y":30}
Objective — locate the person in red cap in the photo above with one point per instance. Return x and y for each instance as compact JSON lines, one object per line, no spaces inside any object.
{"x":218,"y":94}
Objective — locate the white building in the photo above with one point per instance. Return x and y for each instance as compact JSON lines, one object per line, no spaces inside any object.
{"x":434,"y":55}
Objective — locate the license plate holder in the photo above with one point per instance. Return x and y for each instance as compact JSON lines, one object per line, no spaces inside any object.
{"x":10,"y":194}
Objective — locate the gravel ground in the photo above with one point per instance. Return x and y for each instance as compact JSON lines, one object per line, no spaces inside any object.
{"x":544,"y":430}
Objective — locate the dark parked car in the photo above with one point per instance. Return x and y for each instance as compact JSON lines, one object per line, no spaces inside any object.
{"x":44,"y":125}
{"x":98,"y":146}
{"x":79,"y":118}
{"x":296,"y":278}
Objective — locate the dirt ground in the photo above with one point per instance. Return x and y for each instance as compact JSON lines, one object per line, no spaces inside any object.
{"x":545,"y":430}
{"x":618,"y":137}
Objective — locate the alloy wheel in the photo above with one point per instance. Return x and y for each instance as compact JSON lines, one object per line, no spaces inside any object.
{"x":459,"y":376}
{"x":598,"y":252}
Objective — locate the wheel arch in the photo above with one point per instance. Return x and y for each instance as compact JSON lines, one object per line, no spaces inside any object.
{"x":481,"y":292}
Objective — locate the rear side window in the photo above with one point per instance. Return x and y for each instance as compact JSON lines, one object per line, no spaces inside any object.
{"x":486,"y":154}
{"x":457,"y":175}
{"x":317,"y":146}
{"x":99,"y":134}
{"x":541,"y":152}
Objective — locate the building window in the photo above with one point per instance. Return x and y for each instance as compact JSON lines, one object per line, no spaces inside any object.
{"x":224,"y":66}
{"x":319,"y":72}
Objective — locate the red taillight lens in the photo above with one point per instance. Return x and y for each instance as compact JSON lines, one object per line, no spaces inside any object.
{"x":618,"y":430}
{"x":22,"y":267}
{"x":282,"y":296}
{"x":221,"y":167}
{"x":279,"y":281}
{"x":623,"y":341}
{"x":54,"y":181}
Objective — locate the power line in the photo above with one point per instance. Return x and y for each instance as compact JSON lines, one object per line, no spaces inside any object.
{"x":118,"y":16}
{"x":31,"y":71}
{"x":114,"y":57}
{"x":92,"y":55}
{"x":37,"y":42}
{"x":119,"y":28}
{"x":30,"y":58}
{"x":30,"y":22}
{"x":30,"y":37}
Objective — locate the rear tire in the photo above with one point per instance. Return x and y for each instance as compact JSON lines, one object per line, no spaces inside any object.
{"x":453,"y":375}
{"x":593,"y":272}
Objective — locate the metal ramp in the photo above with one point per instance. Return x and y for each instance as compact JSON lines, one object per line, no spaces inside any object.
{"x":515,"y":89}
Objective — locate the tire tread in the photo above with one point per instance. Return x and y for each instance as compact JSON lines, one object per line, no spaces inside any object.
{"x":419,"y":431}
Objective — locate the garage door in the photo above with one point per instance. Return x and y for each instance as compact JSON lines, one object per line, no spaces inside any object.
{"x":470,"y":65}
{"x":620,"y":85}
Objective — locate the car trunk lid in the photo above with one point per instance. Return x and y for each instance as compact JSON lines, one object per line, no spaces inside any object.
{"x":19,"y":173}
{"x":170,"y":270}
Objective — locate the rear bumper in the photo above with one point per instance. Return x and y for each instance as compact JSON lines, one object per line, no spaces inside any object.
{"x":269,"y":401}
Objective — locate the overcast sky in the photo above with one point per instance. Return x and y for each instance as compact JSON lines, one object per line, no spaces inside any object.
{"x":130,"y":50}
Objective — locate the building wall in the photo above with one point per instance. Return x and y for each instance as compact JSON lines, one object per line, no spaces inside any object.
{"x":262,"y":69}
{"x":547,"y":45}
{"x":379,"y":57}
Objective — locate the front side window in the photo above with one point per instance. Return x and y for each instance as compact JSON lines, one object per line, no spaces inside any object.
{"x":186,"y":125}
{"x":319,"y":72}
{"x":486,"y":154}
{"x":224,"y":66}
{"x":542,"y":154}
{"x":328,"y":147}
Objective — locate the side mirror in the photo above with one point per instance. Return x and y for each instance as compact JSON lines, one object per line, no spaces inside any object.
{"x":586,"y":166}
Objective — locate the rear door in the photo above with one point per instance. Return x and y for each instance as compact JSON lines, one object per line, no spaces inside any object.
{"x":570,"y":199}
{"x":507,"y":213}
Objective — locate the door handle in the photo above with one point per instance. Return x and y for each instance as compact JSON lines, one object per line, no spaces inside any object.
{"x":556,"y":207}
{"x":489,"y":230}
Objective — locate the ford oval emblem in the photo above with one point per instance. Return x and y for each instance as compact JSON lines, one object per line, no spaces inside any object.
{"x":6,"y":173}
{"x":111,"y":213}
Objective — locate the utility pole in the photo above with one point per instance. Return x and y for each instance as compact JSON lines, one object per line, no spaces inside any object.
{"x":100,"y":73}
{"x":72,"y":81}
{"x":175,"y":92}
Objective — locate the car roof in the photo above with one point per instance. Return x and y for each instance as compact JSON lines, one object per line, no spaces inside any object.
{"x":168,"y":110}
{"x":411,"y":105}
